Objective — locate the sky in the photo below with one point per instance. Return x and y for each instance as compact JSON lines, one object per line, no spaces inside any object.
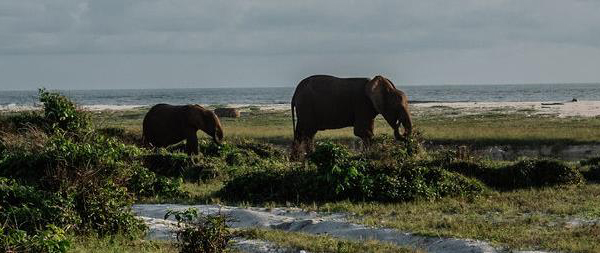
{"x":111,"y":44}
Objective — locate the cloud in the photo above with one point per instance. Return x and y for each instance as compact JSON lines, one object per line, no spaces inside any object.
{"x":192,"y":43}
{"x":289,"y":27}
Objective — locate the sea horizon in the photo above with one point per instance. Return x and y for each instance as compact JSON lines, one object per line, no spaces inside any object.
{"x":282,"y":95}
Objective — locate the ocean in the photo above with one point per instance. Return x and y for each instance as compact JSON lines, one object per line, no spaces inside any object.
{"x":282,"y":95}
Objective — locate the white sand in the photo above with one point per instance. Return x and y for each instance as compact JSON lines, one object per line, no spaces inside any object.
{"x":296,"y":220}
{"x":567,"y":109}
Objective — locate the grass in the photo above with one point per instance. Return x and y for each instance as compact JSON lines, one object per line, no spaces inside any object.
{"x":322,"y":243}
{"x":524,"y":219}
{"x":491,"y":128}
{"x":118,"y":244}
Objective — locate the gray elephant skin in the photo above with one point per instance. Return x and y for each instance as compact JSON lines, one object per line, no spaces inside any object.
{"x":326,"y":102}
{"x":166,"y":124}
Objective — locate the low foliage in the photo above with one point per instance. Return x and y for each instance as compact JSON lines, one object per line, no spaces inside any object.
{"x":333,"y":173}
{"x":32,"y":220}
{"x":166,"y":163}
{"x":52,"y":239}
{"x":591,"y":169}
{"x":526,"y":173}
{"x":61,"y":113}
{"x":199,"y":233}
{"x":60,"y":178}
{"x":122,"y":135}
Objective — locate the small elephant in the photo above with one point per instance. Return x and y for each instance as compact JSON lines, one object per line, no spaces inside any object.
{"x":327,"y":102}
{"x":165,"y":125}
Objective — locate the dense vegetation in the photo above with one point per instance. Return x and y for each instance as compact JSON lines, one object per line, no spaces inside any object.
{"x":60,"y":176}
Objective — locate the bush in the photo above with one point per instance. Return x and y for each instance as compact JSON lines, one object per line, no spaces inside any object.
{"x":92,"y":173}
{"x":334,"y":174}
{"x":23,"y":120}
{"x":122,"y":135}
{"x":167,"y":164}
{"x":535,"y":173}
{"x":264,"y":151}
{"x":145,"y":183}
{"x":26,"y":208}
{"x":33,"y":221}
{"x":386,"y":148}
{"x":526,"y":173}
{"x":592,"y":172}
{"x":52,"y":239}
{"x":206,"y":168}
{"x":106,"y":210}
{"x":61,"y":113}
{"x":202,"y":234}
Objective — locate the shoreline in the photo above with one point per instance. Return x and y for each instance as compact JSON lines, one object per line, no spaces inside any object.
{"x":559,"y":109}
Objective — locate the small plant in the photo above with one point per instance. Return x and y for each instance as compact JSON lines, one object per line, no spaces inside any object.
{"x":200,"y":234}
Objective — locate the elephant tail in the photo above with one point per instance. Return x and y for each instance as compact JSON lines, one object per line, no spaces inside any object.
{"x":294,"y":114}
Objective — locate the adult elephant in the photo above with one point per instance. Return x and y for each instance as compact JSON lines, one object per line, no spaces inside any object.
{"x":165,"y":125}
{"x":327,"y":102}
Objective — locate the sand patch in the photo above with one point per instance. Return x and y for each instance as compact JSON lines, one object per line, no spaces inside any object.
{"x":296,"y":220}
{"x":562,"y":109}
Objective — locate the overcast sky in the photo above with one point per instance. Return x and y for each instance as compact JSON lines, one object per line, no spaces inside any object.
{"x":104,"y":44}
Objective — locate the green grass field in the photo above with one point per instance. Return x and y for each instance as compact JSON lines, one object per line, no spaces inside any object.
{"x":526,"y":219}
{"x":497,"y":128}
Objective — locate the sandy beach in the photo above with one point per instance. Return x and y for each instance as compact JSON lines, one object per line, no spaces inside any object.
{"x":559,"y":109}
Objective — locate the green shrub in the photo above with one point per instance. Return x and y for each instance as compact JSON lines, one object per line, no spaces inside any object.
{"x":26,"y":208}
{"x":52,"y":239}
{"x":93,"y":173}
{"x":273,"y":185}
{"x":167,"y":164}
{"x":18,"y":121}
{"x":535,"y":173}
{"x":61,"y":113}
{"x":591,"y":161}
{"x":105,"y":209}
{"x":265,"y":151}
{"x":591,"y":170}
{"x":386,"y":148}
{"x":526,"y":173}
{"x":32,"y":220}
{"x":122,"y":135}
{"x":210,"y":148}
{"x":206,"y":168}
{"x":201,"y":234}
{"x":145,"y":183}
{"x":593,"y":174}
{"x":334,"y":174}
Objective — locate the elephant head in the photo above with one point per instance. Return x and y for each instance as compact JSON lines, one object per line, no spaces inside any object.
{"x":205,"y":120}
{"x":391,"y":103}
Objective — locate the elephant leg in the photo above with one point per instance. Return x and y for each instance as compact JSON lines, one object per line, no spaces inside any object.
{"x":296,"y":152}
{"x":191,"y":144}
{"x":365,"y":133}
{"x":309,"y":141}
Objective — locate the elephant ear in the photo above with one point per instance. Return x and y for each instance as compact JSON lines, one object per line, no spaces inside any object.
{"x":194,"y":115}
{"x":377,"y":90}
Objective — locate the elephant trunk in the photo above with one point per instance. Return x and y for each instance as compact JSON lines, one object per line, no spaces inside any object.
{"x":218,"y":136}
{"x":406,"y":121}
